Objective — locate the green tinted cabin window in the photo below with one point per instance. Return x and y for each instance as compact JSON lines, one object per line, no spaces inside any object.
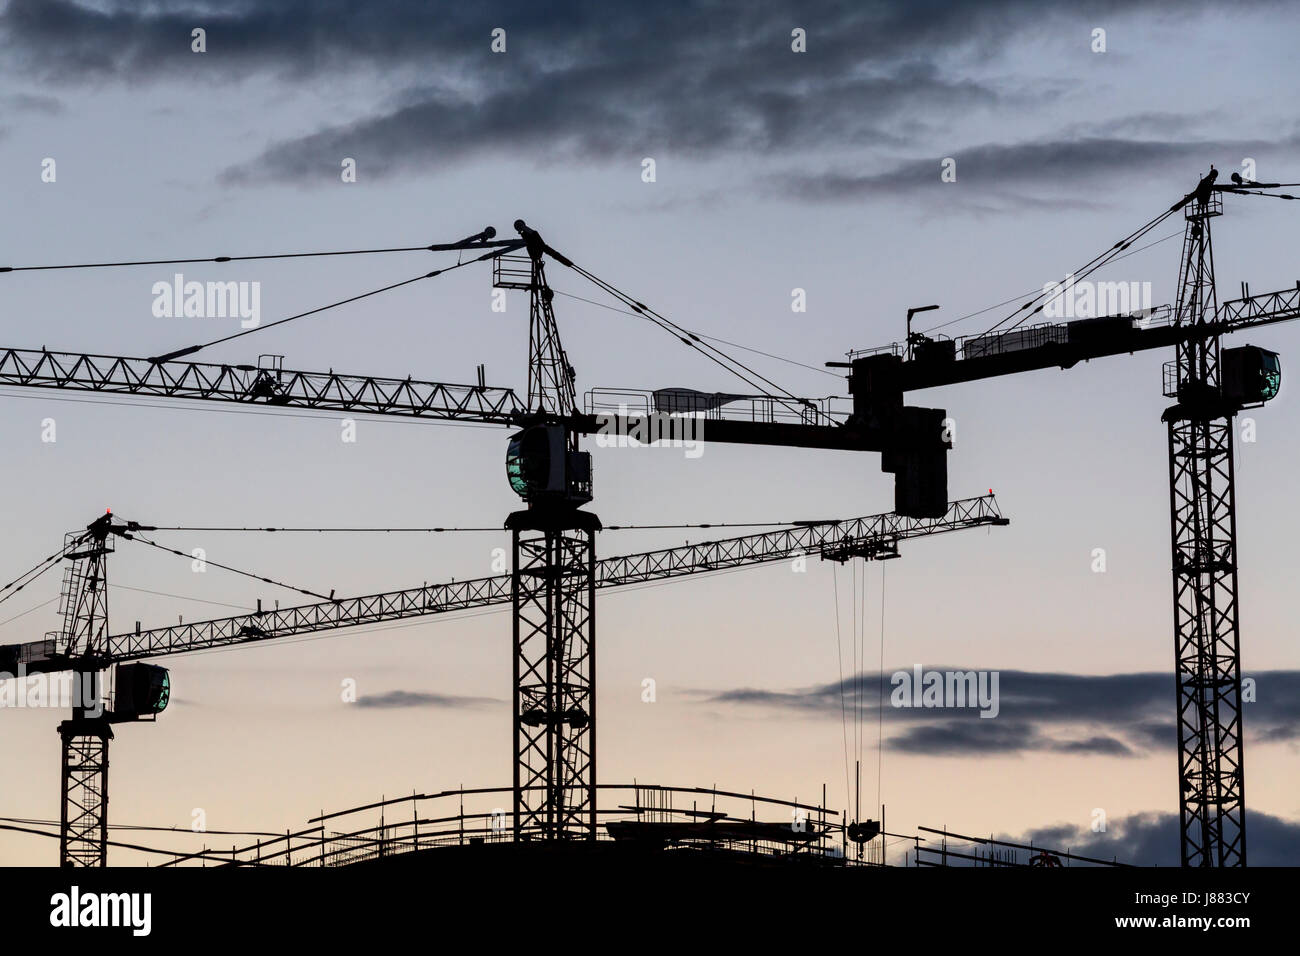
{"x":164,"y":693}
{"x":515,"y":467}
{"x":1271,"y":376}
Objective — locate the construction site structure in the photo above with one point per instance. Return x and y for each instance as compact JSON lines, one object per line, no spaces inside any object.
{"x":551,"y":588}
{"x":1209,"y":386}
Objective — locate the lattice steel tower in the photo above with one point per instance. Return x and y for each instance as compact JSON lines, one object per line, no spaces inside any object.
{"x":83,"y":830}
{"x":1207,"y":643}
{"x":553,"y":583}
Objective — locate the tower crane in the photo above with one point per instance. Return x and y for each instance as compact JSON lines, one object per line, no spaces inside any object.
{"x":1209,"y":386}
{"x":554,"y":576}
{"x":118,"y":686}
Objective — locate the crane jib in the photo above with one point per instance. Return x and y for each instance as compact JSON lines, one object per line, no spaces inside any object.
{"x":947,"y":362}
{"x":873,"y":536}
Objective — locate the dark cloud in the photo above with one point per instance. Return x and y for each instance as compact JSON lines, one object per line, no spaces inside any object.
{"x":1104,"y":746}
{"x":714,"y":41}
{"x":31,"y":103}
{"x":1146,"y":124}
{"x":1005,"y":169}
{"x":963,"y":738}
{"x":1117,"y":715}
{"x":1152,"y":839}
{"x":407,"y":698}
{"x":1276,"y":714}
{"x":596,"y":81}
{"x":122,"y":38}
{"x":1158,"y":734}
{"x":605,"y":111}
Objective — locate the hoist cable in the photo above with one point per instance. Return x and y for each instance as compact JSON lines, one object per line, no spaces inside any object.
{"x":27,"y":577}
{"x":190,"y":350}
{"x":689,"y":338}
{"x":226,"y":567}
{"x":1087,"y":269}
{"x":844,"y":708}
{"x":505,"y":245}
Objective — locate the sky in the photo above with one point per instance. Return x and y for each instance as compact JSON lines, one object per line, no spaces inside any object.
{"x":774,"y":171}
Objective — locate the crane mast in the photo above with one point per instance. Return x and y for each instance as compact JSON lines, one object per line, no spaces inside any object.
{"x":83,"y":820}
{"x":1203,"y":525}
{"x":553,"y":584}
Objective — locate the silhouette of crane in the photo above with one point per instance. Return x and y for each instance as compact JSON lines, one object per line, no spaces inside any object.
{"x":555,"y":571}
{"x":122,"y":688}
{"x":1209,"y":386}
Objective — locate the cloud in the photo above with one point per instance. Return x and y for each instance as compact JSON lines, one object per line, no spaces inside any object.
{"x":604,"y":111}
{"x":961,"y":738}
{"x":956,"y":737}
{"x":1003,"y":170}
{"x":78,"y":40}
{"x":1152,"y":839}
{"x":31,"y":103}
{"x":868,"y":112}
{"x":717,"y":41}
{"x":407,"y":698}
{"x":1117,"y":715}
{"x":594,"y":82}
